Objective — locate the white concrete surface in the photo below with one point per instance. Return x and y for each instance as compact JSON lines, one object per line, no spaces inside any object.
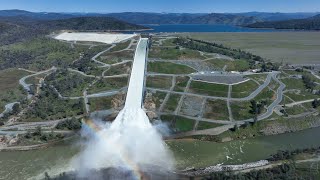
{"x":136,"y":84}
{"x":107,"y":38}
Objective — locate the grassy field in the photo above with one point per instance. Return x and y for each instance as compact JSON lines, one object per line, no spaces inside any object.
{"x":101,"y":103}
{"x":291,"y":47}
{"x":178,"y":123}
{"x":294,"y":110}
{"x":236,"y":65}
{"x":169,"y":68}
{"x":119,"y":69}
{"x":210,"y":89}
{"x":161,"y":82}
{"x":261,"y":78}
{"x":240,"y":110}
{"x":206,"y":125}
{"x":121,"y":46}
{"x":172,"y":103}
{"x":217,"y":110}
{"x":114,"y":57}
{"x":243,"y":89}
{"x":168,"y":42}
{"x":181,"y":83}
{"x":9,"y":86}
{"x":174,"y":54}
{"x":266,"y":95}
{"x":108,"y":84}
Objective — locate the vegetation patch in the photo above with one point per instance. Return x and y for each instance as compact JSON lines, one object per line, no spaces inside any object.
{"x":10,"y":89}
{"x":209,"y":89}
{"x":119,"y":69}
{"x":101,"y":103}
{"x":115,"y":57}
{"x":172,"y":103}
{"x":169,"y":68}
{"x":172,"y":53}
{"x":108,"y":84}
{"x":261,"y":78}
{"x":181,"y":83}
{"x":178,"y":123}
{"x":294,"y":110}
{"x":158,"y":98}
{"x":216,"y":109}
{"x":231,"y":65}
{"x":160,"y":82}
{"x":206,"y":125}
{"x":241,"y":110}
{"x":244,"y":89}
{"x":121,"y":46}
{"x":49,"y":107}
{"x":68,"y":83}
{"x":38,"y":54}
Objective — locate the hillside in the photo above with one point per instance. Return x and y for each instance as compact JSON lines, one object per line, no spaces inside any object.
{"x":145,"y":18}
{"x":90,"y":23}
{"x":278,"y":16}
{"x":184,"y":18}
{"x":18,"y":28}
{"x":312,"y":23}
{"x":215,"y":18}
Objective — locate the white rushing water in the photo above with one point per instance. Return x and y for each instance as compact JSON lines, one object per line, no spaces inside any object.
{"x":130,"y":142}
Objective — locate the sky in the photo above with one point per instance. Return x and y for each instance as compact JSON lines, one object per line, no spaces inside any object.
{"x":175,"y":6}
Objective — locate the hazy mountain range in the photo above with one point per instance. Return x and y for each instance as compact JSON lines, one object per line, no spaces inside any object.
{"x":169,"y":18}
{"x":311,"y":23}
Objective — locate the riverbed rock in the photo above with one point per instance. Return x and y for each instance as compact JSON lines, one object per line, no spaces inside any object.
{"x":152,"y":115}
{"x":118,"y":101}
{"x":14,"y":141}
{"x":149,"y":104}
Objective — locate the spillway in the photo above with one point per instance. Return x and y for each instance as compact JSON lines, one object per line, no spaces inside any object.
{"x":130,"y":142}
{"x":136,"y":84}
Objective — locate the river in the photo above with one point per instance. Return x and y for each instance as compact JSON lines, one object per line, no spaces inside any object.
{"x":188,"y":153}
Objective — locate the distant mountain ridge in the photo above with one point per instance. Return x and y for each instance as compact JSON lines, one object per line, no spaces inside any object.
{"x":312,"y":23}
{"x":145,"y":18}
{"x":277,"y":16}
{"x":239,"y":19}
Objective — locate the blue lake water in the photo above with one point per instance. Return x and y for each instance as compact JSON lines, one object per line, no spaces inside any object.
{"x":204,"y":28}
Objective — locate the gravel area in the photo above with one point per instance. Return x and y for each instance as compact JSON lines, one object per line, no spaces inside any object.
{"x":220,"y":78}
{"x":191,"y":106}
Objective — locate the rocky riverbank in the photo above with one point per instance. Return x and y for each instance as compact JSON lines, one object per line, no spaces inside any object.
{"x":219,"y":168}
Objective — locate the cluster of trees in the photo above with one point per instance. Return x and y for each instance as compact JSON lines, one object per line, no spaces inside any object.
{"x":38,"y":133}
{"x":49,"y":106}
{"x":70,"y":124}
{"x":315,"y":103}
{"x":287,"y":154}
{"x":284,"y":171}
{"x":256,"y":107}
{"x":308,"y":82}
{"x":64,"y":81}
{"x":40,"y":53}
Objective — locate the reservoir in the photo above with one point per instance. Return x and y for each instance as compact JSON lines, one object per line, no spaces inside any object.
{"x":204,"y":28}
{"x":188,"y":153}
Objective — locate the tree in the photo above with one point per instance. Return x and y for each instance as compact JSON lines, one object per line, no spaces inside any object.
{"x":16,"y":108}
{"x":38,"y":131}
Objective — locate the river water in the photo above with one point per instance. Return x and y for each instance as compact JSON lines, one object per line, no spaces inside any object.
{"x":188,"y":153}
